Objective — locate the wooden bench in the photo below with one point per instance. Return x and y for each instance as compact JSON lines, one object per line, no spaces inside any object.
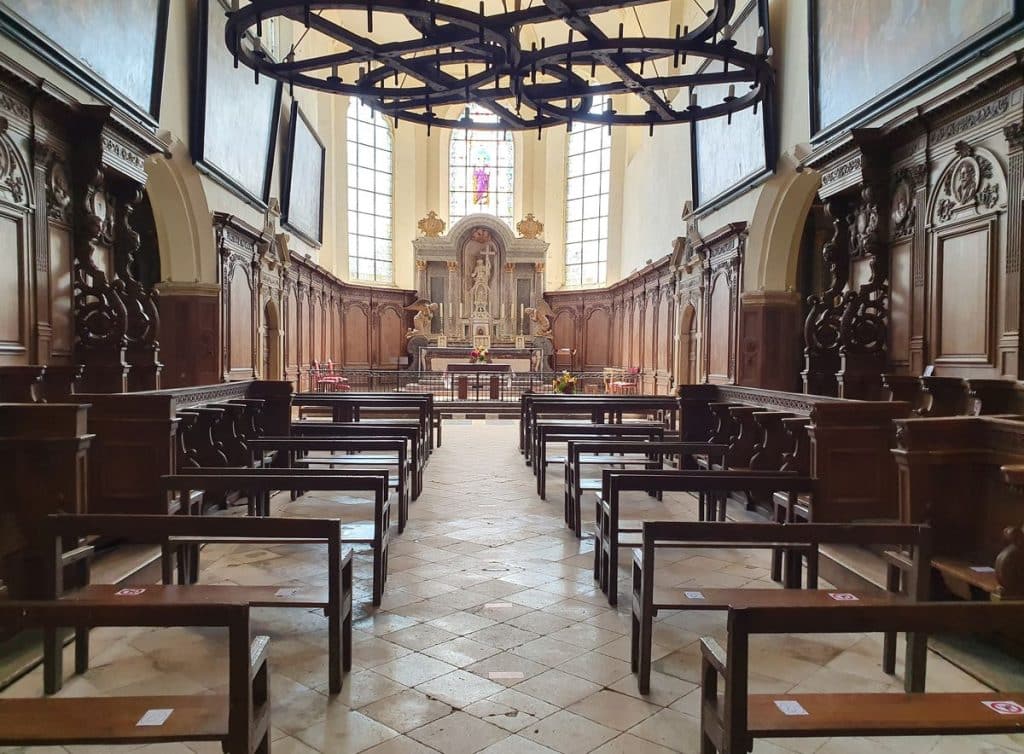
{"x":732,"y":718}
{"x":292,"y":453}
{"x":546,"y":433}
{"x":239,"y":720}
{"x":349,"y":407}
{"x":377,"y":535}
{"x":409,"y":431}
{"x":652,"y":455}
{"x":609,"y":528}
{"x":599,"y":408}
{"x":179,"y":538}
{"x":648,"y":600}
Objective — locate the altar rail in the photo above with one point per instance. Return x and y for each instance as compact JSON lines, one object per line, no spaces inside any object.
{"x":510,"y":386}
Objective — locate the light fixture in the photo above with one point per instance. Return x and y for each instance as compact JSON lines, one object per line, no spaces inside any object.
{"x":454,"y":55}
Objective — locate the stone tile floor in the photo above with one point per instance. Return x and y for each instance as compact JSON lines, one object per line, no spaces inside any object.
{"x":492,"y":637}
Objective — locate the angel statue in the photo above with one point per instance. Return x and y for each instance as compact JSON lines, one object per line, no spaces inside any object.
{"x":425,"y":312}
{"x":541,"y":315}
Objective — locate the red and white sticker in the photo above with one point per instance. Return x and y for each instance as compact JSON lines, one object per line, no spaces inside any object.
{"x":134,"y":591}
{"x":843,"y":597}
{"x":694,"y":595}
{"x":1005,"y":707}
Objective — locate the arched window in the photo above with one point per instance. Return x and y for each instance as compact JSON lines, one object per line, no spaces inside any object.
{"x":369,"y":195}
{"x":481,"y":170}
{"x":588,"y":171}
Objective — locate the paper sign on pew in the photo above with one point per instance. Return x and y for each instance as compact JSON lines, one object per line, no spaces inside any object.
{"x":154,"y":717}
{"x":791,"y":707}
{"x":129,"y":592}
{"x":1005,"y":707}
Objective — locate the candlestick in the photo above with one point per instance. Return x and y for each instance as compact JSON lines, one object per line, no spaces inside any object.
{"x":442,"y":311}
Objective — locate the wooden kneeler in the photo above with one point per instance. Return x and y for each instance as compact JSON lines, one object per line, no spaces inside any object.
{"x":240,"y":721}
{"x":177,"y":533}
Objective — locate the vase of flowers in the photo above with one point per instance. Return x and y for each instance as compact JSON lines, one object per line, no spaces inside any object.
{"x":564,"y":383}
{"x":480,"y":356}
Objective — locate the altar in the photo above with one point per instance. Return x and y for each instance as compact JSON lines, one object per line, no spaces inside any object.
{"x":480,"y":286}
{"x":442,"y":359}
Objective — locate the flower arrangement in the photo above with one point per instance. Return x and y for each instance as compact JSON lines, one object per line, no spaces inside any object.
{"x":564,"y":383}
{"x":480,"y":356}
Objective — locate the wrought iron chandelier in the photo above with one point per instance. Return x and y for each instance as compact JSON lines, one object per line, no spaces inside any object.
{"x":454,"y":56}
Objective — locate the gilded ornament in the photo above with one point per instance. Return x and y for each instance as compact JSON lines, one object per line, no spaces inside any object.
{"x":431,"y":226}
{"x":529,"y":227}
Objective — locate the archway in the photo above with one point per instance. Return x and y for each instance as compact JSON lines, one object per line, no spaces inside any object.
{"x":686,"y":365}
{"x":273,"y":339}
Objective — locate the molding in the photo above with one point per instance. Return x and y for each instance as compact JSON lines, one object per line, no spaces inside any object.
{"x":197,"y":288}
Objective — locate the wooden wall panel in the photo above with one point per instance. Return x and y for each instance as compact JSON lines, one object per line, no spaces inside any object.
{"x":964,"y":296}
{"x":62,"y":316}
{"x":14,"y":290}
{"x":596,"y":335}
{"x":357,"y":337}
{"x":241,"y":323}
{"x":719,"y":331}
{"x":564,"y":329}
{"x":900,"y":302}
{"x":391,"y":338}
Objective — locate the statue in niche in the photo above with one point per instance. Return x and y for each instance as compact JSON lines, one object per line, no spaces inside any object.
{"x":480,"y":293}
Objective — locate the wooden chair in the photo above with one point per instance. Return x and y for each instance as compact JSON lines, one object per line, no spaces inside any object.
{"x":239,"y":720}
{"x":375,"y":482}
{"x":180,"y":537}
{"x":806,"y":538}
{"x":732,"y":718}
{"x":608,"y":531}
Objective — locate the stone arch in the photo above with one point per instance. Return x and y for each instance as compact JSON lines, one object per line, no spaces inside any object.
{"x":775,"y":230}
{"x":181,"y":214}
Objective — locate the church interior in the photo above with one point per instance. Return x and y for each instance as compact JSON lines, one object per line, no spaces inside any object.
{"x":313,"y":313}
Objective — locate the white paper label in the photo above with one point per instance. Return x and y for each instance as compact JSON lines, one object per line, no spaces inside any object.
{"x":129,"y":592}
{"x":983,"y":569}
{"x":154,"y":717}
{"x":694,"y":595}
{"x":1005,"y":708}
{"x":791,"y":707}
{"x":843,"y":597}
{"x":290,"y":592}
{"x":506,"y":675}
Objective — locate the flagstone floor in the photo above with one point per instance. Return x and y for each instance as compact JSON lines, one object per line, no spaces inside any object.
{"x":492,"y":637}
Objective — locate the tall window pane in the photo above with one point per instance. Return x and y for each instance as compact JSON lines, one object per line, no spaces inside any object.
{"x":369,"y":195}
{"x":481,"y":170}
{"x":588,"y":170}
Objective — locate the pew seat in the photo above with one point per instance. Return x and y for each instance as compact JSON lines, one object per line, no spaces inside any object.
{"x":882,"y":715}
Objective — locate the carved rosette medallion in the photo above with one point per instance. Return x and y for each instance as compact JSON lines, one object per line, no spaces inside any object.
{"x":12,"y":182}
{"x":530,"y":227}
{"x":431,"y":226}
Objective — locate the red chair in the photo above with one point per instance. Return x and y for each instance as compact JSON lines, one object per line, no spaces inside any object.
{"x":325,"y":381}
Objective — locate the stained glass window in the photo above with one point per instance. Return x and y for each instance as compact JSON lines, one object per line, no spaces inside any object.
{"x":588,"y":174}
{"x":369,"y":195}
{"x":481,"y":170}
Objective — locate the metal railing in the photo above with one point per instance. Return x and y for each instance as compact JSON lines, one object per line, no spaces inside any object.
{"x":464,"y":386}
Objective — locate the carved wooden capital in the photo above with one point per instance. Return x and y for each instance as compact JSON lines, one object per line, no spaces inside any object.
{"x":1015,"y":135}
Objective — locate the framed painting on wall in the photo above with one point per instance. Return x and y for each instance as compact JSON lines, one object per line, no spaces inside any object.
{"x":120,"y":59}
{"x":302,"y":205}
{"x":869,"y":55}
{"x":731,"y":155}
{"x":234,"y":116}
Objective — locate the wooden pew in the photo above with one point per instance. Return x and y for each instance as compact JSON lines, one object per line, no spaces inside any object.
{"x":732,"y":721}
{"x":601,"y":408}
{"x":409,"y":431}
{"x":348,"y":407}
{"x":559,"y":432}
{"x":178,"y":534}
{"x":609,"y":453}
{"x":239,"y":720}
{"x":848,"y":447}
{"x":648,"y":601}
{"x":951,"y":476}
{"x":292,"y":451}
{"x":609,"y":529}
{"x":376,"y":482}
